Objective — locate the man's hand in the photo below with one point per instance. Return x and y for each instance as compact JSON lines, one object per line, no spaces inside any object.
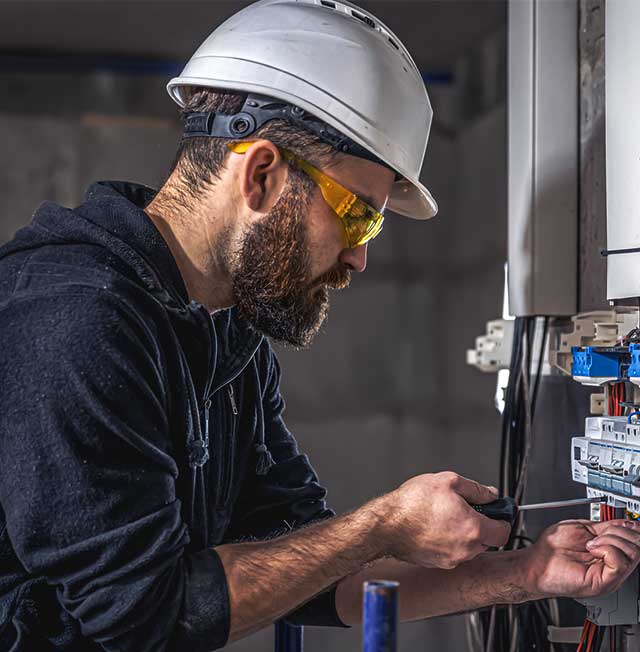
{"x":581,"y":558}
{"x":430,"y":522}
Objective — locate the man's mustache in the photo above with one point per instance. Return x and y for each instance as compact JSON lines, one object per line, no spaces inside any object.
{"x":337,"y":278}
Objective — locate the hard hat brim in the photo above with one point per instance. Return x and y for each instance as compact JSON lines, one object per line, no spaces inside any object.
{"x":412,"y":199}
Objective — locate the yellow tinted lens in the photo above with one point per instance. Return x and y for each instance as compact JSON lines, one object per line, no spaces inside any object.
{"x":361,"y":222}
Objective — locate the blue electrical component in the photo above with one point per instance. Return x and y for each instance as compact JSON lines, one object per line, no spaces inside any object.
{"x":634,"y":367}
{"x":601,"y":362}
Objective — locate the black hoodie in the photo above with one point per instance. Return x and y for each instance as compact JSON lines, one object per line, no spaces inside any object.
{"x":136,"y":433}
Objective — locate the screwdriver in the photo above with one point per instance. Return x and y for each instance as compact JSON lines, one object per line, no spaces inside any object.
{"x":506,"y":509}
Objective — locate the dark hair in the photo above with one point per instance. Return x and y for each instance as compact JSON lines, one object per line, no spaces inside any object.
{"x":200,"y":159}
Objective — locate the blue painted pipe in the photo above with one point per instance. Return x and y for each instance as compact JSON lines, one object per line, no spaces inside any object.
{"x":85,"y":62}
{"x":289,"y":638}
{"x":380,"y":620}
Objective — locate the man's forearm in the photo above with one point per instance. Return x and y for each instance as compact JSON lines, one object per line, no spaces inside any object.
{"x":267,"y":580}
{"x":495,"y":577}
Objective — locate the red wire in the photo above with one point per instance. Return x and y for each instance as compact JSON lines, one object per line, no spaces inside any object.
{"x":583,"y":636}
{"x":616,"y":396}
{"x":620,"y":390}
{"x":612,"y":400}
{"x":621,"y":397}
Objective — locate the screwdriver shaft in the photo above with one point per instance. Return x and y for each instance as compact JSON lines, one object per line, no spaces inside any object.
{"x":564,"y":503}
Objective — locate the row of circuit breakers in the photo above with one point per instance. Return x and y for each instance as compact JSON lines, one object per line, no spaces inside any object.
{"x":607,"y":459}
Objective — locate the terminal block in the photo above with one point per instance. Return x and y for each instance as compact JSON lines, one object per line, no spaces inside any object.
{"x":599,"y":328}
{"x":597,"y":365}
{"x":493,"y":350}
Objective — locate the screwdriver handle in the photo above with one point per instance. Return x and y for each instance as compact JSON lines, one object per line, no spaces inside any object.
{"x":503,"y":509}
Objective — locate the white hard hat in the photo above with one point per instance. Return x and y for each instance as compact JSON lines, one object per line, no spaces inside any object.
{"x":338,"y":63}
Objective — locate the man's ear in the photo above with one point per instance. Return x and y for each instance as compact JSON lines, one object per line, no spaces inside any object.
{"x":263,"y":174}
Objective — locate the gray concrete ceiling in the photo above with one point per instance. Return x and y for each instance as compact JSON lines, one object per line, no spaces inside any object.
{"x":435,"y":31}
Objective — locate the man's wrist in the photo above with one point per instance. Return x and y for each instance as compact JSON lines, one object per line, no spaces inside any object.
{"x":524,"y":576}
{"x":382,"y":518}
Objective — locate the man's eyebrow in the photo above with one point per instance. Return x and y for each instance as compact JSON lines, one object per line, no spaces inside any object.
{"x":370,"y":200}
{"x":363,"y":195}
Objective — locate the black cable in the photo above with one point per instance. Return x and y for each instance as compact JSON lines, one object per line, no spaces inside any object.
{"x":509,"y":415}
{"x":520,"y":401}
{"x":543,"y":346}
{"x":598,"y":638}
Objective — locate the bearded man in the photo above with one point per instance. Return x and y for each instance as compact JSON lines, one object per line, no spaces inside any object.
{"x":152,"y":497}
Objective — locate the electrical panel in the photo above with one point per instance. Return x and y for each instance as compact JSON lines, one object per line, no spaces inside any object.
{"x":599,"y":349}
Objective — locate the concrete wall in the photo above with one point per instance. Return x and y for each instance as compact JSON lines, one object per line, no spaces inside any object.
{"x":384,"y":393}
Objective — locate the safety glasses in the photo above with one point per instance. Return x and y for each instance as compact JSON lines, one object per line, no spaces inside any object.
{"x":360,"y":221}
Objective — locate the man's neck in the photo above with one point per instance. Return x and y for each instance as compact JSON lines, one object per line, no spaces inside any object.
{"x":192,"y":241}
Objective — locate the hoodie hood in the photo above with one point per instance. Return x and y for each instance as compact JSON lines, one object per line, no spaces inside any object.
{"x":112,"y":217}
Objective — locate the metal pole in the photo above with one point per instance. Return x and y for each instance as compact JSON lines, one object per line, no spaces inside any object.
{"x":380,"y":620}
{"x":289,"y":638}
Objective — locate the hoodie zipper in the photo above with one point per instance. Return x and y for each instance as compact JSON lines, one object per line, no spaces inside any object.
{"x":207,"y":407}
{"x":206,"y":403}
{"x":228,"y":443}
{"x":234,"y":409}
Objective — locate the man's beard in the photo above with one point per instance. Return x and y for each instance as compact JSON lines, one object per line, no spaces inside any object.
{"x":271,"y":272}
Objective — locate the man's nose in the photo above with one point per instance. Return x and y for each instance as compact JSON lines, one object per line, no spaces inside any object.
{"x":355,"y":258}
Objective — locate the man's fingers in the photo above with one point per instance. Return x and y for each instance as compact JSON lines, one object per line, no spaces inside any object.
{"x":602,"y":526}
{"x":618,"y":566}
{"x":474,"y":492}
{"x":494,"y":533}
{"x":629,"y":547}
{"x":612,"y":556}
{"x":620,"y":529}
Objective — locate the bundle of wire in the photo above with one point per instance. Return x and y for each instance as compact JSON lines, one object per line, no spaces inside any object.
{"x":616,"y":403}
{"x":591,"y":637}
{"x":516,"y":628}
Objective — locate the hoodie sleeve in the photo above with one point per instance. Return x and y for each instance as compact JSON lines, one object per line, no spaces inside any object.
{"x":88,"y":475}
{"x":288,"y":496}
